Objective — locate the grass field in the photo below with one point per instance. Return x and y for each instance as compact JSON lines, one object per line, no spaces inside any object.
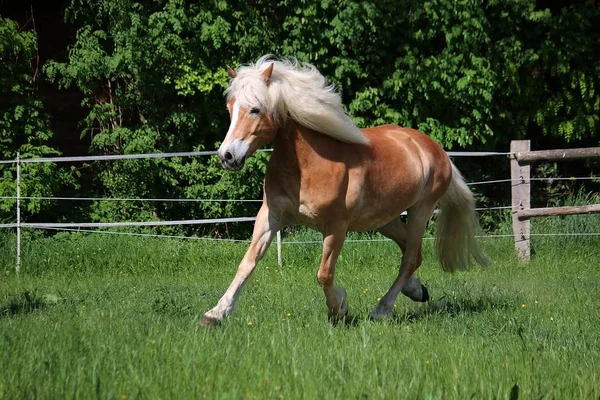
{"x":115,"y":317}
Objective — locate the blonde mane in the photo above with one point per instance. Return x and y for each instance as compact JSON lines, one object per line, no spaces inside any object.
{"x":297,"y":91}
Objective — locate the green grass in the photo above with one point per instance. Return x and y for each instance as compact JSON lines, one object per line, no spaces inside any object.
{"x":113,"y":317}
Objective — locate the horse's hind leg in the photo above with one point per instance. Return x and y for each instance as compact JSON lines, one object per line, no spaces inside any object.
{"x":397,"y":231}
{"x":418,"y":216}
{"x":335,"y":297}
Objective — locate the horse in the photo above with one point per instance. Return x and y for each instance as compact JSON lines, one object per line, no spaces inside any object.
{"x":327,"y":174}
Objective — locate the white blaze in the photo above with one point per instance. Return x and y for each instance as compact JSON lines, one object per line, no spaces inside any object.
{"x":238,"y":147}
{"x":234,"y":117}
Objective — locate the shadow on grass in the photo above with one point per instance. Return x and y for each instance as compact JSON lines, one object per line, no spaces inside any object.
{"x":347,"y":321}
{"x":453,"y":308}
{"x":170,"y":303}
{"x":23,"y":303}
{"x":441,"y":307}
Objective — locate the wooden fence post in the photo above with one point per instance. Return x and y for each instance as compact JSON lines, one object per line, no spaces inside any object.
{"x":520,"y":192}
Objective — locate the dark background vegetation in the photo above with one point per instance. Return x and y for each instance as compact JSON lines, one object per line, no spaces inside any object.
{"x":120,"y":76}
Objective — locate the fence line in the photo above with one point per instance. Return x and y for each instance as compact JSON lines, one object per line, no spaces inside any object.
{"x":50,"y":225}
{"x":477,"y":153}
{"x":130,"y":199}
{"x":125,"y":224}
{"x":145,"y":234}
{"x":110,"y":157}
{"x":179,"y":237}
{"x":117,"y":157}
{"x":573,"y":178}
{"x":196,"y":154}
{"x":487,"y":182}
{"x":566,"y":178}
{"x":162,"y":223}
{"x":18,"y":267}
{"x":520,"y":169}
{"x":71,"y":226}
{"x":174,"y":200}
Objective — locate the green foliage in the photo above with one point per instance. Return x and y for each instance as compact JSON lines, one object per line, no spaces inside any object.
{"x":24,"y":126}
{"x":152,"y":79}
{"x":470,"y":74}
{"x":549,"y":81}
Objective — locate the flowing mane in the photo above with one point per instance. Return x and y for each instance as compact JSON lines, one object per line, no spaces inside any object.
{"x":297,"y":91}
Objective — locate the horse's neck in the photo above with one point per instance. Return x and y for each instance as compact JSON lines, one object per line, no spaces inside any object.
{"x":297,"y":144}
{"x":291,"y":144}
{"x":300,"y":156}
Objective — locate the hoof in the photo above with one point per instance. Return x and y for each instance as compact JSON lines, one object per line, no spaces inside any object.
{"x":209,"y":322}
{"x":340,"y":314}
{"x":378,"y":316}
{"x":336,"y":319}
{"x":380,"y":312}
{"x":338,"y":310}
{"x":425,"y":295}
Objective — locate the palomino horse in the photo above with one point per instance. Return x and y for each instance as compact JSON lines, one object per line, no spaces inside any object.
{"x":329,"y":175}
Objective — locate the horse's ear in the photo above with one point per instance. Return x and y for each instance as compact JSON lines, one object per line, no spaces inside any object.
{"x":232,"y":74}
{"x":266,"y":74}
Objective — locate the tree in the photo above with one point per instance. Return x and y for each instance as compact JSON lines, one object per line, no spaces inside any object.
{"x":471,"y":74}
{"x":24,"y":126}
{"x":153,"y":78}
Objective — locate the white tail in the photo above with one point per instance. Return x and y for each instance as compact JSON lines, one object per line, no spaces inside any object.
{"x":456,"y":227}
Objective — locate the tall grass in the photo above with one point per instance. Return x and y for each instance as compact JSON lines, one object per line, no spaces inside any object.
{"x":99,"y":316}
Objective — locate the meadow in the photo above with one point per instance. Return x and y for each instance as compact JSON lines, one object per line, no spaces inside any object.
{"x":115,"y":317}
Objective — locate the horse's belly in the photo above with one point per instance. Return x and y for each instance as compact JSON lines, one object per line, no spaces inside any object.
{"x":292,"y":212}
{"x":363,"y":225}
{"x":372,"y":218}
{"x":381,"y":199}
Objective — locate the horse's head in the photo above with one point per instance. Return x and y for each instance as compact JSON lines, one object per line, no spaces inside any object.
{"x":252,"y":125}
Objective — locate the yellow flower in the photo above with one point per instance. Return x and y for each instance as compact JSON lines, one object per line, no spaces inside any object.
{"x":123,"y":396}
{"x":426,"y":361}
{"x":251,"y":305}
{"x":379,"y":298}
{"x":249,"y":323}
{"x":536,"y":302}
{"x":365,"y":291}
{"x":523,"y":305}
{"x":289,"y":314}
{"x":551,"y":318}
{"x":153,"y":341}
{"x":267,"y":267}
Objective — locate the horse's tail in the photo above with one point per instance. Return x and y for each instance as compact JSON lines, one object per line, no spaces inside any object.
{"x":456,"y":227}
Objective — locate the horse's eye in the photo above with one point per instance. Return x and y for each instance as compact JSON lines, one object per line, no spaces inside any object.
{"x":255,"y":110}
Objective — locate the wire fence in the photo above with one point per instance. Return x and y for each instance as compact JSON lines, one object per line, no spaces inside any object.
{"x":61,"y":159}
{"x":83,"y":226}
{"x":286,"y":242}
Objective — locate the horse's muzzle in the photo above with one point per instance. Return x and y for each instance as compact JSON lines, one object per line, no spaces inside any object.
{"x":231,"y":163}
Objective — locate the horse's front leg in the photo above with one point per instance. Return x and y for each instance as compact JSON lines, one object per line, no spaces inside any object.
{"x":265,"y":227}
{"x":335,"y":297}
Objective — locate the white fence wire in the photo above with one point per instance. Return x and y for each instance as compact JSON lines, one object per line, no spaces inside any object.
{"x":115,"y":157}
{"x":81,"y":227}
{"x":190,"y":154}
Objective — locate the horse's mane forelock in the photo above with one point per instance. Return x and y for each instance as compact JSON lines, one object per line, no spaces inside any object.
{"x":298,"y":91}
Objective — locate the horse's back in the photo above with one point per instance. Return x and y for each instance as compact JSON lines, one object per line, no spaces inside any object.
{"x":407,"y":152}
{"x":387,"y":135}
{"x":401,"y":167}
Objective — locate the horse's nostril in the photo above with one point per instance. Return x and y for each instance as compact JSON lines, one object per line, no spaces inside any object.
{"x":228,"y":156}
